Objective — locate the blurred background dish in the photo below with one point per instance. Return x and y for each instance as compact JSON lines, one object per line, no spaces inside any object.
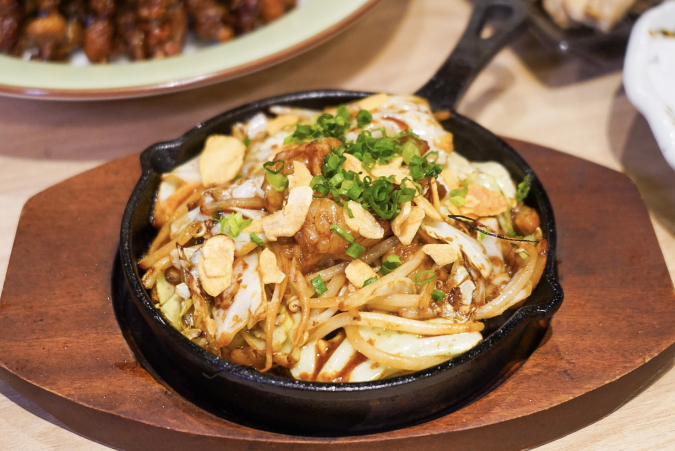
{"x":589,"y":33}
{"x":602,"y":15}
{"x":649,"y":72}
{"x":102,"y":31}
{"x":311,"y":23}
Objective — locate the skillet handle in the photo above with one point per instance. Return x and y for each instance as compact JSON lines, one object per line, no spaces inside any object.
{"x":473,"y":52}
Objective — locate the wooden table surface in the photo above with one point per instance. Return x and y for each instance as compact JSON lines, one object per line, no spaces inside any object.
{"x":569,"y":103}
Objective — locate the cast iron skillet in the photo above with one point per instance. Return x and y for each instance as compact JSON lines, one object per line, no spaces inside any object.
{"x":299,"y":407}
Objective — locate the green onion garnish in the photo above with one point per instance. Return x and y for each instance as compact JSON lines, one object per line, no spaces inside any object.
{"x":331,"y":164}
{"x":433,"y":154}
{"x":342,"y":233}
{"x":217,"y":215}
{"x":342,"y":113}
{"x":319,"y":285}
{"x":256,"y":239}
{"x":278,"y":181}
{"x":437,"y":295}
{"x":355,"y":250}
{"x":326,"y":125}
{"x":389,"y":264}
{"x":247,"y":141}
{"x":271,"y":164}
{"x":457,"y":195}
{"x":372,"y":279}
{"x":275,"y":177}
{"x":408,"y":151}
{"x":337,"y":179}
{"x":420,"y":277}
{"x":363,"y":118}
{"x":235,"y":223}
{"x":458,"y":201}
{"x":524,"y":188}
{"x":421,"y":167}
{"x":348,"y":210}
{"x":383,"y":196}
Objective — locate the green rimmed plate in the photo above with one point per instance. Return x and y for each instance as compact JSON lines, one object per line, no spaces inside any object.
{"x":296,"y":32}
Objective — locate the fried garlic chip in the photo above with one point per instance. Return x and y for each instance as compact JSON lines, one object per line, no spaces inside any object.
{"x":215,"y":264}
{"x":363,"y":222}
{"x":442,"y":254}
{"x":358,"y":272}
{"x":269,"y":269}
{"x":221,"y":159}
{"x":408,"y":221}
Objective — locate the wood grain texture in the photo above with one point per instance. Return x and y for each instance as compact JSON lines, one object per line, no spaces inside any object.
{"x":61,"y":347}
{"x":528,"y":92}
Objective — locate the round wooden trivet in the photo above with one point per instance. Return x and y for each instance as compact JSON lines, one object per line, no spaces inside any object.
{"x":61,"y":346}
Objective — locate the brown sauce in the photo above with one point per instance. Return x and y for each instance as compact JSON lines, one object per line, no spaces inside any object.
{"x":327,"y":348}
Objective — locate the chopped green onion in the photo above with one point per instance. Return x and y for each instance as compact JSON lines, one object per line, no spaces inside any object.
{"x":382,"y":195}
{"x":368,"y":162}
{"x":301,"y":132}
{"x":342,"y":233}
{"x":421,"y":167}
{"x":217,"y":215}
{"x":463,"y":191}
{"x":270,"y":164}
{"x":331,"y":164}
{"x":256,"y":239}
{"x":342,"y":113}
{"x":278,"y":181}
{"x":275,"y":177}
{"x":389,"y":264}
{"x":363,"y":118}
{"x":337,"y":179}
{"x":417,"y":186}
{"x":319,"y":285}
{"x":355,"y":250}
{"x":409,"y":150}
{"x":247,"y":141}
{"x":348,"y":210}
{"x":339,"y":151}
{"x":326,"y":125}
{"x":235,"y":223}
{"x":524,"y":187}
{"x":481,"y":235}
{"x":437,"y":295}
{"x":372,"y":279}
{"x":379,"y":197}
{"x":354,"y":192}
{"x":457,"y":195}
{"x":458,"y":201}
{"x":419,"y":277}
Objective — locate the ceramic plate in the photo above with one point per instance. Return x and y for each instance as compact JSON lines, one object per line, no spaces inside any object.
{"x":649,"y":72}
{"x":301,"y":29}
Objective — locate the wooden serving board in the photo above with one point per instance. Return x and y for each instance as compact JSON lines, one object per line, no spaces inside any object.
{"x":61,"y":346}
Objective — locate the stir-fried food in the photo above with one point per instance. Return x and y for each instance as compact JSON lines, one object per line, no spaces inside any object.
{"x":346,"y":245}
{"x":138,"y":29}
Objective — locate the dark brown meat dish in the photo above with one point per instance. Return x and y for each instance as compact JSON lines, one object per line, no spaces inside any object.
{"x":50,"y":30}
